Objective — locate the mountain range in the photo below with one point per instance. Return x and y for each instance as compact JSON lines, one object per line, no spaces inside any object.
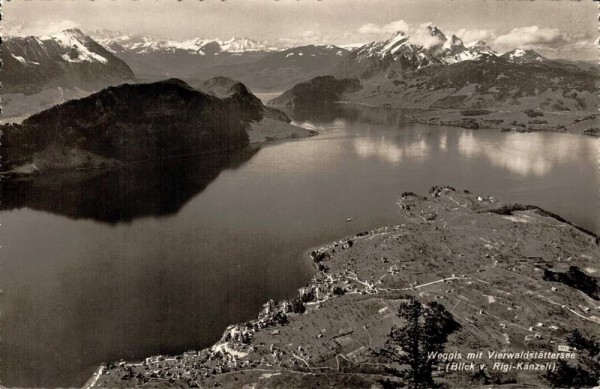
{"x":90,"y":62}
{"x":264,"y":68}
{"x":72,"y":64}
{"x":154,"y":59}
{"x":118,"y":42}
{"x":400,"y":53}
{"x":254,"y":63}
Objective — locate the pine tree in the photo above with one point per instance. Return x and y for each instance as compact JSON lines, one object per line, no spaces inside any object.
{"x":425,"y":332}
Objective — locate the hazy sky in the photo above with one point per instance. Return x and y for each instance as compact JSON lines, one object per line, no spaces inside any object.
{"x":555,"y":28}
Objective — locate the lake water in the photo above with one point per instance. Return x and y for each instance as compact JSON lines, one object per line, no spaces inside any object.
{"x":160,"y":259}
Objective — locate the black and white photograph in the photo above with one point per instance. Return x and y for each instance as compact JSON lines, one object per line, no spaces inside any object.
{"x":299,"y":194}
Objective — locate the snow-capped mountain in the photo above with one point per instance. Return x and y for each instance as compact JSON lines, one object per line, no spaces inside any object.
{"x":403,"y":51}
{"x":153,"y":58}
{"x":481,"y":47}
{"x":313,"y":51}
{"x":242,"y":45}
{"x":256,"y":64}
{"x":66,"y":59}
{"x":118,"y":43}
{"x":438,"y":49}
{"x":523,"y":56}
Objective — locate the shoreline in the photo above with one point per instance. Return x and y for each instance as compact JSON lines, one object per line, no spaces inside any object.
{"x":365,"y":284}
{"x":516,"y":120}
{"x":523,"y":120}
{"x":580,"y":123}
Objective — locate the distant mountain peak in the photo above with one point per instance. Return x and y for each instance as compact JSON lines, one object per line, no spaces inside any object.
{"x":236,"y":45}
{"x":453,"y":45}
{"x":478,"y":43}
{"x":74,"y":32}
{"x":482,"y":48}
{"x":456,"y":40}
{"x":71,"y":34}
{"x":520,"y":55}
{"x":435,"y":31}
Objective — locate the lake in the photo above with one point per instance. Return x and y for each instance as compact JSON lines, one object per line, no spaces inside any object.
{"x":99,"y":266}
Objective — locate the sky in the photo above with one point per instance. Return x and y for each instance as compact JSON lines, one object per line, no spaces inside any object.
{"x":558,"y":29}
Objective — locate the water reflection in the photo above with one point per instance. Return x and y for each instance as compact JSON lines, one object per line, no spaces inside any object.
{"x":341,"y":114}
{"x":391,"y":152}
{"x":527,"y":154}
{"x":154,"y":189}
{"x":521,"y":153}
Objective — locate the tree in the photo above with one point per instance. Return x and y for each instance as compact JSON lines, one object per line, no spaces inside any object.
{"x":581,"y":342}
{"x":425,"y":332}
{"x":566,"y":376}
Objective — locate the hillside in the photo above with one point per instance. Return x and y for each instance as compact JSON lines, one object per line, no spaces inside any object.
{"x":274,"y":125}
{"x":478,"y":266}
{"x":485,"y":83}
{"x":130,"y":123}
{"x":492,"y":82}
{"x":68,"y":59}
{"x":318,"y":91}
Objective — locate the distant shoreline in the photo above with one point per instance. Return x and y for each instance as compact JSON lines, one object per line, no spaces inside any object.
{"x":574,"y":122}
